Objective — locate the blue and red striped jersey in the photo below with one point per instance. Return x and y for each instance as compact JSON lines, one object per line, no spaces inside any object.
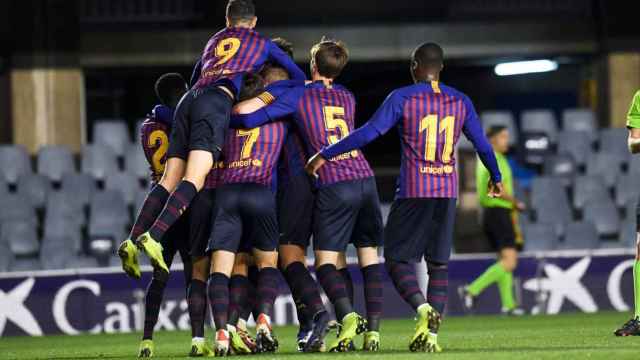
{"x":234,"y":51}
{"x":251,"y":155}
{"x":322,"y":115}
{"x":429,"y":118}
{"x":154,"y":138}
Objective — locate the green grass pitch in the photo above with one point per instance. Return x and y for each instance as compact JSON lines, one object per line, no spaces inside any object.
{"x":572,"y":336}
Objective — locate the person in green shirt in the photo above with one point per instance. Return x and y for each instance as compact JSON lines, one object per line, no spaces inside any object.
{"x":632,"y":327}
{"x":500,"y":226}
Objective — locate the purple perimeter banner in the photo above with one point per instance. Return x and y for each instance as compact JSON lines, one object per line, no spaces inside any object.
{"x":106,"y":301}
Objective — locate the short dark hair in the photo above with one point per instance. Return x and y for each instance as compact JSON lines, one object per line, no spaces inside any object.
{"x":330,"y":57}
{"x":170,"y":88}
{"x":428,"y":55}
{"x":284,"y":45}
{"x":495,"y":130}
{"x":240,"y":10}
{"x":252,"y":86}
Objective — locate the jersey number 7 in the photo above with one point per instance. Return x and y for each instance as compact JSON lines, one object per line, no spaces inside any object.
{"x":251,"y":136}
{"x":430,"y":124}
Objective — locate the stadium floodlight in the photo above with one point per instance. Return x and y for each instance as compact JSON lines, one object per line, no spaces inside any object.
{"x":525,"y":67}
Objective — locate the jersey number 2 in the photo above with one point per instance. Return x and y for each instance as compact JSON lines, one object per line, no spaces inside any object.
{"x":161,"y":137}
{"x":430,"y":124}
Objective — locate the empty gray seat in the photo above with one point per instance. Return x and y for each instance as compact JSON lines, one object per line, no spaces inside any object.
{"x":139,"y":200}
{"x":21,"y":237}
{"x":4,"y":187}
{"x":580,"y":235}
{"x":6,"y":257}
{"x":54,"y":255}
{"x":500,"y":118}
{"x":545,"y":189}
{"x":34,"y":187}
{"x":604,"y":215}
{"x":113,"y":133}
{"x":580,"y":119}
{"x":539,"y":237}
{"x":98,"y":160}
{"x":14,"y":161}
{"x":628,"y":234}
{"x":26,"y":264}
{"x":576,"y":143}
{"x":81,"y":262}
{"x":55,"y":161}
{"x":81,"y":186}
{"x":17,"y":207}
{"x":614,"y":141}
{"x":606,"y":165}
{"x":627,"y":189}
{"x":555,"y":214}
{"x":127,"y":184}
{"x":634,"y":165}
{"x":63,"y":205}
{"x":561,"y":166}
{"x":588,"y":188}
{"x":135,"y":162}
{"x":539,"y":120}
{"x":65,"y":231}
{"x":108,"y":215}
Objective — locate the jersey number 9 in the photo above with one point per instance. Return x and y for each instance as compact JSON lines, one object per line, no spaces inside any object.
{"x":226,"y":49}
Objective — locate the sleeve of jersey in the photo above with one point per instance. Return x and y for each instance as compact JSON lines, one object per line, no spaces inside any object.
{"x":281,"y":107}
{"x":386,"y":117}
{"x":473,"y":131}
{"x":633,"y":117}
{"x":276,"y":54}
{"x":195,"y":75}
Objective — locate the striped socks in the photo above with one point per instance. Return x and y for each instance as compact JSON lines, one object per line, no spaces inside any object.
{"x":151,"y":208}
{"x":177,"y":204}
{"x":373,"y":293}
{"x":334,"y":286}
{"x":267,"y":290}
{"x":218,"y":292}
{"x":197,"y":300}
{"x":438,"y":286}
{"x":404,"y":278}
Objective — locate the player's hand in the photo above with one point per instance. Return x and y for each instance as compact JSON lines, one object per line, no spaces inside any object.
{"x":495,"y":190}
{"x":314,"y":164}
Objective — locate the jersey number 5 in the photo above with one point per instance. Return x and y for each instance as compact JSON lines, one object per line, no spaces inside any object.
{"x":334,"y":122}
{"x":430,"y":124}
{"x":251,"y":138}
{"x":226,"y":49}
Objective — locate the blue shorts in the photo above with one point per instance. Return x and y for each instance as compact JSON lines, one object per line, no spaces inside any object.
{"x":347,"y":212}
{"x":420,"y":227}
{"x":200,"y":122}
{"x":244,"y":217}
{"x":199,"y":217}
{"x":295,"y":211}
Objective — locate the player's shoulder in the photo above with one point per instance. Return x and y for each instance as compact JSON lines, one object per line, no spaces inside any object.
{"x":285,"y":84}
{"x":343,"y":89}
{"x":451,"y":91}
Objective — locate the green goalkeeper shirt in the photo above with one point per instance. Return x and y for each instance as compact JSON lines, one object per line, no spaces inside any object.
{"x":633,"y":117}
{"x":482,"y":179}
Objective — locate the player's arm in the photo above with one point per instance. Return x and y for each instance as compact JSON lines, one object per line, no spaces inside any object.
{"x":277,"y":55}
{"x":473,"y":131}
{"x":384,"y":118}
{"x":279,"y":108}
{"x":633,"y":124}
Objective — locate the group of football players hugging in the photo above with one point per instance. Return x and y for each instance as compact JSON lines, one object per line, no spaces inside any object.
{"x":251,"y":161}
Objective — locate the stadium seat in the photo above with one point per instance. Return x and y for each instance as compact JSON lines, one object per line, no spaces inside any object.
{"x":613,"y":141}
{"x":53,"y":254}
{"x":634,"y":165}
{"x":54,"y":162}
{"x":80,"y":186}
{"x":63,"y":205}
{"x":606,"y":165}
{"x":539,"y":237}
{"x":17,"y":207}
{"x":577,"y":144}
{"x":604,"y":215}
{"x":113,"y":133}
{"x":82,"y":262}
{"x":6,"y":257}
{"x":580,"y":119}
{"x":580,"y":235}
{"x":546,"y":189}
{"x":136,"y":163}
{"x":539,"y":120}
{"x":561,"y":166}
{"x":627,"y":235}
{"x":109,"y":215}
{"x":35,"y":187}
{"x":627,"y":189}
{"x":21,"y":237}
{"x":63,"y":230}
{"x":127,"y":184}
{"x":14,"y":161}
{"x":31,"y":264}
{"x":503,"y":118}
{"x":555,"y":214}
{"x":4,"y":187}
{"x":587,"y":188}
{"x":98,"y":160}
